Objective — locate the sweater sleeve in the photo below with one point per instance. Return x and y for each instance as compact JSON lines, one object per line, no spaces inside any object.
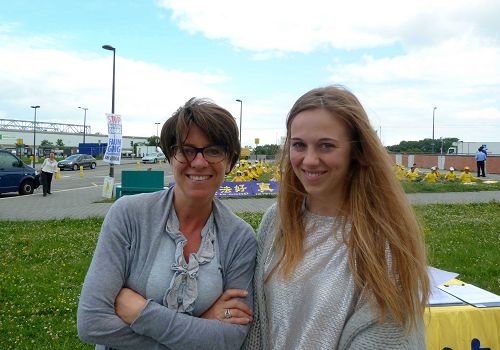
{"x":364,"y":331}
{"x":257,"y":334}
{"x":181,"y":331}
{"x":387,"y":336}
{"x":97,"y":321}
{"x":156,"y":326}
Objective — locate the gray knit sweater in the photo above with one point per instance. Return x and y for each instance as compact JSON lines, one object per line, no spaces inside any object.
{"x":361,"y":331}
{"x":125,"y":250}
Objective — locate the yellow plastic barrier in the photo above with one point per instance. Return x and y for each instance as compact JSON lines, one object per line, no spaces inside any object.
{"x":138,"y":165}
{"x":161,"y":162}
{"x":81,"y":170}
{"x":58,"y":173}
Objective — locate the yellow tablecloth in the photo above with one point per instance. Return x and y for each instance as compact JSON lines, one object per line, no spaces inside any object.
{"x":462,"y":327}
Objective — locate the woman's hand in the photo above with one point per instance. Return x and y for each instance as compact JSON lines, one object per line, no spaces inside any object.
{"x":128,"y":305}
{"x":238,"y":311}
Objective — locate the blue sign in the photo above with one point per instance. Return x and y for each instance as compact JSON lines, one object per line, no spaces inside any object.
{"x":245,"y":188}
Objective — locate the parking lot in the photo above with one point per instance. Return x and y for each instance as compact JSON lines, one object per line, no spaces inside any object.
{"x":71,"y":180}
{"x":95,"y":177}
{"x":73,"y":196}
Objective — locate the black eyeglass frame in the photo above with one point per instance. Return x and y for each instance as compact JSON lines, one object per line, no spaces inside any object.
{"x":201,"y":150}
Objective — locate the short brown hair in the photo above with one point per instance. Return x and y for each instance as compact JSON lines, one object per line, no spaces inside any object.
{"x":216,"y":122}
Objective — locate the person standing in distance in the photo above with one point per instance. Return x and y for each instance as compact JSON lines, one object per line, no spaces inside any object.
{"x":341,"y":260}
{"x":49,"y":168}
{"x":480,"y":159}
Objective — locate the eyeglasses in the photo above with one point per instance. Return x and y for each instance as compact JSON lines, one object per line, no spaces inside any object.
{"x":186,"y":154}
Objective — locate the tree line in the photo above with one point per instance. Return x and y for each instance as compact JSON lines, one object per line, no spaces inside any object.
{"x":423,"y":146}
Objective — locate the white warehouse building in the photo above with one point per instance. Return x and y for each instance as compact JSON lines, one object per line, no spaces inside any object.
{"x":17,"y":135}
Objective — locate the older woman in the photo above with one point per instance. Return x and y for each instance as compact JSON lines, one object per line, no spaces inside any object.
{"x":341,"y":259}
{"x":170,"y":266}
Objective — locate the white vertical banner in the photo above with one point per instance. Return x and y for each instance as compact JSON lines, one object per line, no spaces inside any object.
{"x":114,"y":150}
{"x":399,"y":159}
{"x":411,"y":160}
{"x":441,"y":161}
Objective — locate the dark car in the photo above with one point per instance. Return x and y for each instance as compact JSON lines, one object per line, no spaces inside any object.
{"x":15,"y":176}
{"x":73,"y":162}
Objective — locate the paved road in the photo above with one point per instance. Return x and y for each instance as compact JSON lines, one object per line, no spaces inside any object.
{"x":91,"y":177}
{"x":77,"y":197}
{"x":80,"y":201}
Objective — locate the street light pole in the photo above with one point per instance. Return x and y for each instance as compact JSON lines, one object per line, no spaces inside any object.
{"x":434,"y":110}
{"x":241,"y":111}
{"x":111,"y":48}
{"x":34,"y":136}
{"x":84,"y":121}
{"x":157,"y":139}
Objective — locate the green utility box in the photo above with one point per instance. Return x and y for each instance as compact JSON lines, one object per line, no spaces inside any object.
{"x":136,"y":181}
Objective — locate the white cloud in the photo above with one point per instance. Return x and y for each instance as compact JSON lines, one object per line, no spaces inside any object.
{"x":7,"y":27}
{"x":442,"y":54}
{"x":463,"y":62}
{"x":460,"y":77}
{"x":264,"y":119}
{"x":446,"y":55}
{"x":60,"y":81}
{"x":298,"y":26}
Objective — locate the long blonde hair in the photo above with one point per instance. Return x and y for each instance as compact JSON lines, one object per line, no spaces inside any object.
{"x":385,"y":243}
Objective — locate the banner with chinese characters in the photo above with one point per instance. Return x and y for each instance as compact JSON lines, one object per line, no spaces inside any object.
{"x":114,"y":149}
{"x":245,"y":189}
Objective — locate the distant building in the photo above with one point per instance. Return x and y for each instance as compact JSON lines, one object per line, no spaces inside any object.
{"x":17,"y":135}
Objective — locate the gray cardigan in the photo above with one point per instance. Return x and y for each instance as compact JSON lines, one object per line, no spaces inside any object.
{"x":361,"y":331}
{"x":123,"y":258}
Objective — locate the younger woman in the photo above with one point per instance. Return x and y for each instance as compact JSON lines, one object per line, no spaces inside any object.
{"x":341,"y":259}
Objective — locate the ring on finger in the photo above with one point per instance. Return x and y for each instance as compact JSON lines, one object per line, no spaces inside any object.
{"x":227,"y":313}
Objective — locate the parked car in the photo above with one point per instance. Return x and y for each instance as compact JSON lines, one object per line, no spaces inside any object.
{"x":15,"y":176}
{"x":73,"y":162}
{"x":153,"y":157}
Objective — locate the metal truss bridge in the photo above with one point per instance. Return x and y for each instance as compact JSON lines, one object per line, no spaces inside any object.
{"x":25,"y":125}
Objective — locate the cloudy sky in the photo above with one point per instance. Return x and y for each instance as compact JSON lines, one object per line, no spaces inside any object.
{"x":401,"y":58}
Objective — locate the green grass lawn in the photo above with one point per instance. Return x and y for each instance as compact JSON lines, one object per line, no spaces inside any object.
{"x":465,"y":239}
{"x":425,"y":187}
{"x":43,"y":264}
